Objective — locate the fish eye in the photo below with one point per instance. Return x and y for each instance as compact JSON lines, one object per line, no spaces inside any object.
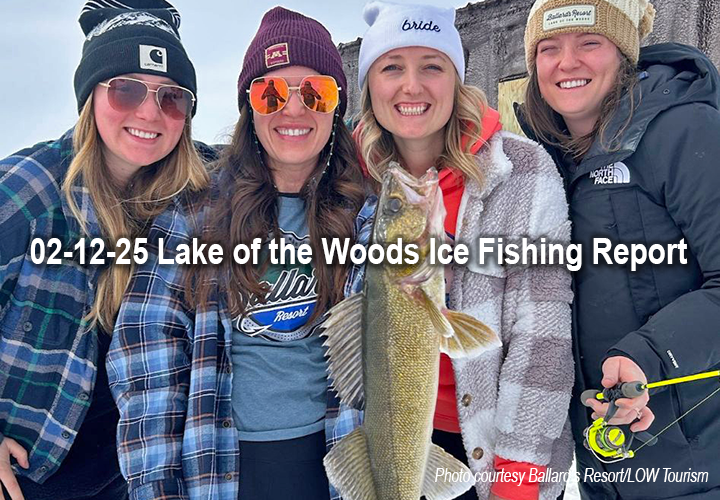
{"x":393,"y":205}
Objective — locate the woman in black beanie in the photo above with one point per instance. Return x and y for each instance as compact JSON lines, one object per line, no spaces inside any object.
{"x":61,"y":201}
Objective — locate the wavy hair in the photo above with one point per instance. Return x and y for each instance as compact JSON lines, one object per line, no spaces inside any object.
{"x":124,"y":212}
{"x":548,"y":125}
{"x":244,"y":206}
{"x":378,"y":147}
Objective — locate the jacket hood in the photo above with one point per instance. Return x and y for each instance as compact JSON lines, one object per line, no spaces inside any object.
{"x":671,"y":74}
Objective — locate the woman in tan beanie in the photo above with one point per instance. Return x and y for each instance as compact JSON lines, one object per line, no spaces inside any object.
{"x":635,"y":135}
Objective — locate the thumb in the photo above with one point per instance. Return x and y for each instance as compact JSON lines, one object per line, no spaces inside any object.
{"x":611,"y":372}
{"x":17,"y":451}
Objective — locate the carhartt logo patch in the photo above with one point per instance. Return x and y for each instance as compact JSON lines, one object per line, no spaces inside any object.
{"x":154,"y":58}
{"x":617,"y":173}
{"x":564,"y":17}
{"x":277,"y":55}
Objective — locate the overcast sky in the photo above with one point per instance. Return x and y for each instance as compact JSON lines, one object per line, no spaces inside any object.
{"x":41,"y":42}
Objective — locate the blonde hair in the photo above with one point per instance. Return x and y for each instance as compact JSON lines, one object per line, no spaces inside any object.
{"x":377,"y":146}
{"x":124,"y":212}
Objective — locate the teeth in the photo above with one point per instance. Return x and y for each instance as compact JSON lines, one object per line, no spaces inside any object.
{"x":293,"y":131}
{"x":141,"y":134}
{"x":573,"y":84}
{"x":412,"y":110}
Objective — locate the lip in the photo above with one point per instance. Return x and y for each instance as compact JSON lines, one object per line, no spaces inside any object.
{"x":293,"y":138}
{"x":142,"y":140}
{"x":420,"y":104}
{"x":557,"y":84}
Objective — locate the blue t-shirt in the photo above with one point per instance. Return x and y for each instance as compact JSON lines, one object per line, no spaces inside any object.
{"x":279,"y":368}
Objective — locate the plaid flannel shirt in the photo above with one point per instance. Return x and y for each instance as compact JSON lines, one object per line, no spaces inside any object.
{"x":47,"y":355}
{"x":170,"y":372}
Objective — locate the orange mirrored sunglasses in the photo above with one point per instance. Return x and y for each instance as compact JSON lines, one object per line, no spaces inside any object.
{"x":319,"y":93}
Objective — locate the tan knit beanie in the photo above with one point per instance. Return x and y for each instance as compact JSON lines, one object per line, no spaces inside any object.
{"x":624,"y":22}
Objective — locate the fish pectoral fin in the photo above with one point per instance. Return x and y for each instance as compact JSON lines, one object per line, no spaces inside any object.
{"x":470,"y":336}
{"x":440,"y":322}
{"x":343,"y":330}
{"x":446,"y":477}
{"x":347,"y":466}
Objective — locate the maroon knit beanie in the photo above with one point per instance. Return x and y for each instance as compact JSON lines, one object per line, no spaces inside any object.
{"x":287,"y":38}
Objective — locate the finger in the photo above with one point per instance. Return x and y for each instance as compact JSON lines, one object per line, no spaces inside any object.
{"x":623,"y":418}
{"x":7,"y":477}
{"x":611,"y":372}
{"x":598,"y":407}
{"x":638,"y":402}
{"x":647,"y":418}
{"x":17,"y":451}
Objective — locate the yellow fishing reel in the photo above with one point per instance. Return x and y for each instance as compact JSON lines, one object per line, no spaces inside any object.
{"x":609,"y":443}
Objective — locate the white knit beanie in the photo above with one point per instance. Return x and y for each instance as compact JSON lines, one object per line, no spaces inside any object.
{"x":392,"y":26}
{"x":624,"y":22}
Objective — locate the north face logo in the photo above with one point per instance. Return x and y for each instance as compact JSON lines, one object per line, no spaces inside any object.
{"x":617,"y":173}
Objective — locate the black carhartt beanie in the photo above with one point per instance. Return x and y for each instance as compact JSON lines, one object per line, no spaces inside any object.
{"x":131,"y":36}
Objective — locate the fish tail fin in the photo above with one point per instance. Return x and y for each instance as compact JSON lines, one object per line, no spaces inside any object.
{"x":348,"y":467}
{"x":446,"y":477}
{"x":470,"y":336}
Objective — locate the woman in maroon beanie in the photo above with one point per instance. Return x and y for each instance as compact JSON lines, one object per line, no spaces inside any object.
{"x":231,"y":353}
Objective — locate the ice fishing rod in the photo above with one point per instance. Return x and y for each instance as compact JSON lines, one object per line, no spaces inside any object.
{"x":608,"y":442}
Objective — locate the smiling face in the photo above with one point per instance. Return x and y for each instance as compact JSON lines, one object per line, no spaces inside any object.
{"x":575,"y":72}
{"x":294,"y":136}
{"x":137,"y":138}
{"x":413,"y":91}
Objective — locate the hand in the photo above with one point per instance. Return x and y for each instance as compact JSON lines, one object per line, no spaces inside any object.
{"x":10,"y":447}
{"x":619,"y":369}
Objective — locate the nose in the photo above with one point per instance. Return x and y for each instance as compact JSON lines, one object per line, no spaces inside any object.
{"x":294,"y":107}
{"x":568,"y":59}
{"x":411,"y":82}
{"x":149,"y":110}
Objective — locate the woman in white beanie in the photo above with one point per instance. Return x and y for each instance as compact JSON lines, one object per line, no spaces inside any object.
{"x":635,"y":135}
{"x":492,"y":410}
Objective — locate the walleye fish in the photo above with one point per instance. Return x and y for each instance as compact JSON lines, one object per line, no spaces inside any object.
{"x":384,"y":347}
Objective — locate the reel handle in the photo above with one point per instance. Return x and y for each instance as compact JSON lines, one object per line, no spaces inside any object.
{"x":588,"y":394}
{"x":646,"y":438}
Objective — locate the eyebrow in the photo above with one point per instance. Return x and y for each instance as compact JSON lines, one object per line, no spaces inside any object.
{"x":428,"y":56}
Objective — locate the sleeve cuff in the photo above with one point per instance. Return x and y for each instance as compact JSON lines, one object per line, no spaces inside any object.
{"x":167,"y":489}
{"x":518,"y":479}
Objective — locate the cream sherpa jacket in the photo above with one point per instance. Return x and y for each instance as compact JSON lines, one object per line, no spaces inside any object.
{"x":513,"y":401}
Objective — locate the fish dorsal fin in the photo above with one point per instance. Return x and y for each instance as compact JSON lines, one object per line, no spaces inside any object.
{"x":347,"y":466}
{"x":445,"y":486}
{"x":470,"y":336}
{"x":343,"y":330}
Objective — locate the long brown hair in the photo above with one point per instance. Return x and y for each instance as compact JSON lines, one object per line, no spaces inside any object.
{"x":124,"y":212}
{"x":244,"y":207}
{"x":547,"y":124}
{"x":378,"y":147}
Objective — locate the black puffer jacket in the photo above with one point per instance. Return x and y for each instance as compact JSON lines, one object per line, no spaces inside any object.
{"x":663,"y":185}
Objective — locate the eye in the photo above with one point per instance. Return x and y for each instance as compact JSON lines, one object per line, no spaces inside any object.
{"x":434,"y":67}
{"x":547,"y":48}
{"x":390,"y":67}
{"x":393,"y":205}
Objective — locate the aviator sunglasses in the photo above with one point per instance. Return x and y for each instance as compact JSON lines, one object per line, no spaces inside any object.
{"x":319,"y":93}
{"x":126,"y":94}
